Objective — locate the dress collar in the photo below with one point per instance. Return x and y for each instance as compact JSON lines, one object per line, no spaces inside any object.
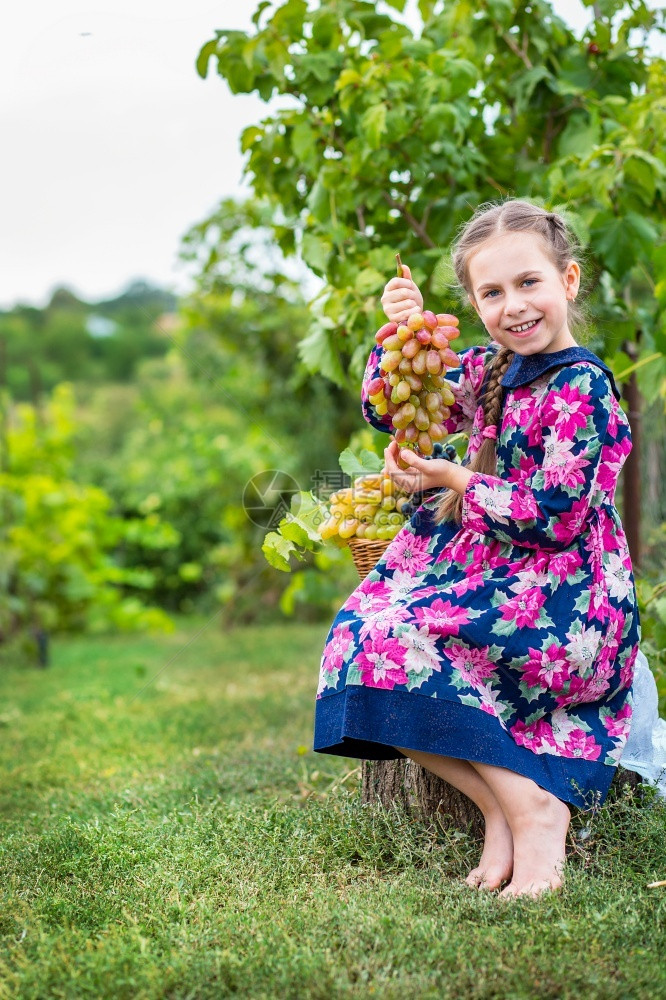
{"x":526,"y":367}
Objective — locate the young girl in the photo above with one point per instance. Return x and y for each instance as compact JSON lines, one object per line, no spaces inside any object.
{"x":494,"y":642}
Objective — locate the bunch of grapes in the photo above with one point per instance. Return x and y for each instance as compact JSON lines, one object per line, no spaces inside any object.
{"x":374,"y":507}
{"x":413,"y":388}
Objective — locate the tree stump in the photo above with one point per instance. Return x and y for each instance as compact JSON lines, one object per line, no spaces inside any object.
{"x":423,"y":794}
{"x":420,"y":792}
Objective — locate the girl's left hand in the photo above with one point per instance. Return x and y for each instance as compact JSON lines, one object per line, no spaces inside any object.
{"x":423,"y":473}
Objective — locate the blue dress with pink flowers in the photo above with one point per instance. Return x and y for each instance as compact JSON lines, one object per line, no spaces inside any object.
{"x":509,"y":639}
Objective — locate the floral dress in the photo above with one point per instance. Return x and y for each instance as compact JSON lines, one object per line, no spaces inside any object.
{"x":509,"y":639}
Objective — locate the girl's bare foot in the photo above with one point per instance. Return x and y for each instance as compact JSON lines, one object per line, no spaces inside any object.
{"x":496,"y":861}
{"x":539,"y":838}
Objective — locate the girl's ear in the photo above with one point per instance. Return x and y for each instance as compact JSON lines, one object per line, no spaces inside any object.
{"x":473,"y":304}
{"x":572,"y":279}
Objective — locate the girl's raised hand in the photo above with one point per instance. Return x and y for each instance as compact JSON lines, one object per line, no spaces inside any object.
{"x":422,"y":474}
{"x":401,"y":297}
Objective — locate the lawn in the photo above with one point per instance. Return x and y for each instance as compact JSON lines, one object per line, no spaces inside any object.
{"x":168,"y":832}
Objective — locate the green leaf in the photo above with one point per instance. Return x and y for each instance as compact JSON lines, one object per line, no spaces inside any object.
{"x":348,"y":78}
{"x":641,"y":175}
{"x":360,"y":465}
{"x":369,"y":282}
{"x":303,"y":143}
{"x":249,"y":136}
{"x":259,"y":11}
{"x":374,"y":124}
{"x":315,"y":252}
{"x":277,"y":550}
{"x":289,"y":18}
{"x":318,"y":352}
{"x":622,"y":240}
{"x":581,"y":134}
{"x":206,"y":51}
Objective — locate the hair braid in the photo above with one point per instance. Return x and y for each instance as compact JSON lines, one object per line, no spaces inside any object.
{"x":492,"y":397}
{"x":485,"y":459}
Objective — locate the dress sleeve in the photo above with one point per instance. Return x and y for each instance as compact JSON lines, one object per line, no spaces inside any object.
{"x":548,"y":508}
{"x":464,"y":382}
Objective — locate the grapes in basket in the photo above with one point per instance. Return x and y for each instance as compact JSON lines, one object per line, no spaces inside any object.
{"x":374,"y":507}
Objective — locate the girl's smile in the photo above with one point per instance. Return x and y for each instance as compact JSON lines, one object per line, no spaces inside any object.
{"x":520,"y":295}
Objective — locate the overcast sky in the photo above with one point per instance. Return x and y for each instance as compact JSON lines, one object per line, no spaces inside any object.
{"x":112,"y":145}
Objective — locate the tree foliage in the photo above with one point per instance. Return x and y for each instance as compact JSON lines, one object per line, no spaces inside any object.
{"x":387,"y":137}
{"x":58,"y":536}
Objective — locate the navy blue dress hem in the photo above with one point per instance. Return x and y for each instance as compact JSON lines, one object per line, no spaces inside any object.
{"x":368,"y":723}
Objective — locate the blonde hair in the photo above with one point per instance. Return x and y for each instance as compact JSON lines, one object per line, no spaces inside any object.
{"x":561,"y":246}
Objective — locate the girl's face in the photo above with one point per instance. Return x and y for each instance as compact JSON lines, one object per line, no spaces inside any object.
{"x":515,"y":285}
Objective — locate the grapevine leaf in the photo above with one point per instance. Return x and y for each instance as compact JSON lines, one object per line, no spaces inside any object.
{"x":277,"y":551}
{"x":362,"y":465}
{"x":318,"y":353}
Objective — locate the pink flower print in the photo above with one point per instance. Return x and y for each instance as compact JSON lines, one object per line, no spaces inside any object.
{"x":384,"y":621}
{"x":564,"y":564}
{"x":583,"y":646}
{"x":618,"y":725}
{"x":442,"y":617}
{"x":560,"y":467}
{"x":524,"y":608}
{"x":536,"y":736}
{"x":338,"y":647}
{"x":572,"y":522}
{"x":567,"y":407}
{"x":608,"y":532}
{"x":469,"y":585}
{"x":369,"y":596}
{"x":473,"y":665}
{"x":381,"y":663}
{"x":562,"y":726}
{"x":523,"y":505}
{"x":583,"y":690}
{"x":421,"y":655}
{"x":531,"y":577}
{"x":579,"y":744}
{"x":526,"y":467}
{"x":519,"y":408}
{"x":478,"y":423}
{"x":409,"y":552}
{"x":459,"y":549}
{"x":598,"y":602}
{"x":490,"y":703}
{"x":534,"y":431}
{"x":547,"y":669}
{"x":627,"y":668}
{"x":618,"y":577}
{"x":400,"y":584}
{"x":611,"y":461}
{"x":419,"y":593}
{"x":489,"y":494}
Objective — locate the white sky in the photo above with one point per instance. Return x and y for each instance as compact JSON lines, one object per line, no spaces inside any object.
{"x":112,"y":145}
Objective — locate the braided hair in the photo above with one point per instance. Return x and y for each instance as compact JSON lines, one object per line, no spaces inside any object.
{"x":492,"y":219}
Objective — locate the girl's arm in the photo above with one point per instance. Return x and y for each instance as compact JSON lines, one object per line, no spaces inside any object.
{"x":548,"y":508}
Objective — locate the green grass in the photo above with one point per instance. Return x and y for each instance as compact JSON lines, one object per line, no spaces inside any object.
{"x":167,"y":832}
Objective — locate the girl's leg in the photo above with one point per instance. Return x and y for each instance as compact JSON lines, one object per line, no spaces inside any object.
{"x":497,"y":857}
{"x":539,"y":822}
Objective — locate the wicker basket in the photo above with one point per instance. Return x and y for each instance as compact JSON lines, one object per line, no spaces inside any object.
{"x":366,"y":553}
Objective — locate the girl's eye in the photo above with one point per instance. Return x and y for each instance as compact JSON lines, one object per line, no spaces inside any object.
{"x":533,"y":280}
